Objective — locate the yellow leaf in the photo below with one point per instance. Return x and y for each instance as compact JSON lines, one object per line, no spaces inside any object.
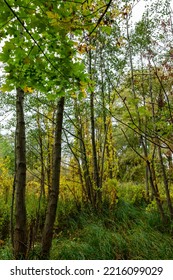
{"x":83,"y":84}
{"x":52,"y":15}
{"x":73,"y":95}
{"x":28,"y":89}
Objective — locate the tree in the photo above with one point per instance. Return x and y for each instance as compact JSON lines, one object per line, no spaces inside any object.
{"x":31,"y":66}
{"x":20,"y":239}
{"x":54,"y":191}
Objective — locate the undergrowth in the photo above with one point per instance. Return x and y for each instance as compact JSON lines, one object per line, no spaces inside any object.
{"x":127,"y":230}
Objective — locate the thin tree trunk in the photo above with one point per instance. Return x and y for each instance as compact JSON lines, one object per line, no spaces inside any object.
{"x":40,"y":140}
{"x":155,"y":190}
{"x":147,"y":183}
{"x":84,"y":160}
{"x":54,"y":192}
{"x":165,"y":179}
{"x":50,"y":138}
{"x":20,"y":246}
{"x":86,"y":173}
{"x":12,"y":211}
{"x":93,"y":139}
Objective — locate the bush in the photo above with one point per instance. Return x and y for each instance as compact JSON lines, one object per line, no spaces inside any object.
{"x":6,"y":252}
{"x":132,"y":193}
{"x":4,"y":220}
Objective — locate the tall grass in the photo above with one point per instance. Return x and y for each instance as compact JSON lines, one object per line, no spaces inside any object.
{"x":125,"y":232}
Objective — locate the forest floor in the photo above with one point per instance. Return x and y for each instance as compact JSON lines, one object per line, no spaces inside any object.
{"x":124,"y":232}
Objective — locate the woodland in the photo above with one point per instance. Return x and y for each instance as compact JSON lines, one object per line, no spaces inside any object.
{"x":86,"y":130}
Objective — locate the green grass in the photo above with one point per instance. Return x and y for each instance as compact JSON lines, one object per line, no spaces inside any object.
{"x":6,"y":251}
{"x":125,"y":231}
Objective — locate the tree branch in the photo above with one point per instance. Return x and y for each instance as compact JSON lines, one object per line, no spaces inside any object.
{"x":101,"y":17}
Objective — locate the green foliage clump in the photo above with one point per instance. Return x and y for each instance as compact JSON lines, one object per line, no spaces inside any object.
{"x":132,"y":193}
{"x":5,"y":244}
{"x":6,"y":252}
{"x":4,"y":220}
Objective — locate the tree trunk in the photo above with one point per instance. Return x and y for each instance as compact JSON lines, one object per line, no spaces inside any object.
{"x":98,"y":194}
{"x":155,"y":190}
{"x":20,"y":246}
{"x":166,"y":185}
{"x":41,"y":152}
{"x":147,"y":183}
{"x":85,"y":167}
{"x":54,"y":192}
{"x":50,"y":129}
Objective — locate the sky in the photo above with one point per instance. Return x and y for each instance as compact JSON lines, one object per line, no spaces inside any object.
{"x":139,"y":9}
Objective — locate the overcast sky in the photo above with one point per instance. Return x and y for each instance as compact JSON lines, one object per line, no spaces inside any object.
{"x":139,"y":9}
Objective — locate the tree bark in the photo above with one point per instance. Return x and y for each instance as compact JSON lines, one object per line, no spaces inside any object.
{"x":20,"y":246}
{"x":166,"y":185}
{"x":54,"y":191}
{"x":155,"y":190}
{"x":98,"y":194}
